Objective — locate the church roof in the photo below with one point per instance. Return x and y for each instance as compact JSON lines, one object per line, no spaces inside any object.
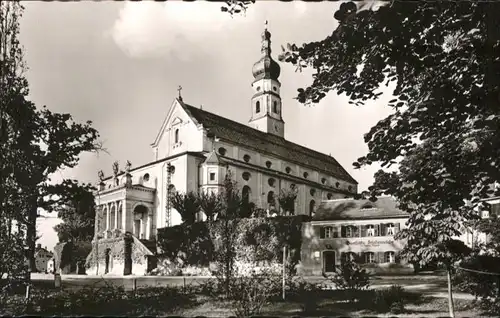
{"x":266,"y":143}
{"x":349,"y":209}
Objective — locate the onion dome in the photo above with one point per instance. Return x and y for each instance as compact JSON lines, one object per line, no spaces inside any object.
{"x":266,"y":67}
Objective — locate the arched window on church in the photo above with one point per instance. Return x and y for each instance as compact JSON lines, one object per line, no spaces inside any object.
{"x":312,"y":206}
{"x":246,"y":194}
{"x":257,"y":107}
{"x":275,"y":107}
{"x":176,"y":135}
{"x":270,"y":199}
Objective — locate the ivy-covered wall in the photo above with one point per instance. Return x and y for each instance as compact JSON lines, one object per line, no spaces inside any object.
{"x":257,"y":240}
{"x":70,"y":256}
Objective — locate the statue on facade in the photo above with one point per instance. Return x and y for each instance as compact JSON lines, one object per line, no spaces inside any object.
{"x":100,"y":175}
{"x":116,"y":170}
{"x":128,"y":166}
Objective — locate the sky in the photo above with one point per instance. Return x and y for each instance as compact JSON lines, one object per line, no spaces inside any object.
{"x":119,"y":64}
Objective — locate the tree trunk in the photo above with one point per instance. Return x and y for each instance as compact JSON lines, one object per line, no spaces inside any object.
{"x":450,"y":294}
{"x":31,"y":235}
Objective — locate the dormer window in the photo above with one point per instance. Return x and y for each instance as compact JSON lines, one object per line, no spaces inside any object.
{"x":288,"y":169}
{"x":269,"y":164}
{"x":323,"y":180}
{"x":222,"y":151}
{"x":306,"y":175}
{"x":246,"y":158}
{"x":257,"y":107}
{"x":176,"y":136}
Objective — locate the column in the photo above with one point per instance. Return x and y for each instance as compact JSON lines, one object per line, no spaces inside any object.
{"x":108,"y":216}
{"x":148,"y":229}
{"x":116,"y":214}
{"x":124,"y":215}
{"x":96,"y":220}
{"x":141,"y":227}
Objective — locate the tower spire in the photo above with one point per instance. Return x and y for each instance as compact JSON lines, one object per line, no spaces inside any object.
{"x":266,"y":102}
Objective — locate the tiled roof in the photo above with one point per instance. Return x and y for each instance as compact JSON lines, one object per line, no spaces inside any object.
{"x":349,"y":209}
{"x":266,"y":143}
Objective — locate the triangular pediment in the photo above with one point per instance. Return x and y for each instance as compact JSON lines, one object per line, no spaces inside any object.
{"x":174,"y":108}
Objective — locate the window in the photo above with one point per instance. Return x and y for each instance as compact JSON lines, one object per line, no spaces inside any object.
{"x":329,"y":196}
{"x":349,"y":188}
{"x":246,"y":158}
{"x":274,"y":88}
{"x":269,"y":164}
{"x":146,"y":177}
{"x":245,"y":176}
{"x":275,"y":107}
{"x":312,"y":192}
{"x":271,"y":182}
{"x":323,"y":180}
{"x":293,"y":186}
{"x":349,"y":231}
{"x":246,"y":194}
{"x":306,"y":175}
{"x":176,"y":135}
{"x":369,"y":257}
{"x":389,"y":230}
{"x":312,"y":206}
{"x":370,"y":230}
{"x":390,"y":257}
{"x":212,"y":176}
{"x":288,"y":169}
{"x":258,"y":88}
{"x":349,"y":256}
{"x":257,"y":107}
{"x":326,"y":232}
{"x":337,"y":184}
{"x":270,"y":198}
{"x":222,"y":151}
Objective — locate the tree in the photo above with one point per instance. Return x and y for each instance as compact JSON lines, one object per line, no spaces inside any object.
{"x":188,"y":206}
{"x":286,"y":200}
{"x":479,"y":274}
{"x":77,"y":210}
{"x":445,"y":127}
{"x":35,"y":142}
{"x":210,"y":204}
{"x":15,"y":117}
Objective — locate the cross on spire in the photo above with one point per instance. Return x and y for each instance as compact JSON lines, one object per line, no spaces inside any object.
{"x":179,"y":89}
{"x":265,"y":24}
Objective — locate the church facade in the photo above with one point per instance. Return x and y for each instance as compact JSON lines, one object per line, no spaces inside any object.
{"x":193,"y":151}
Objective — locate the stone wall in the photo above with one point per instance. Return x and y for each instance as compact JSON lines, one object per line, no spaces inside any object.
{"x":116,"y":248}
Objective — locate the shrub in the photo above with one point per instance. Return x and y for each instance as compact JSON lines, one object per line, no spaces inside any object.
{"x":251,"y":293}
{"x":304,"y":292}
{"x":388,"y":299}
{"x":351,"y":278}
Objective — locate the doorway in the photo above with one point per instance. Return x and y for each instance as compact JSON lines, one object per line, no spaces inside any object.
{"x":329,"y":261}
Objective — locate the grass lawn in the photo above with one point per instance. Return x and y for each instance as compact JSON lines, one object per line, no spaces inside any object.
{"x":174,"y":302}
{"x":430,"y":307}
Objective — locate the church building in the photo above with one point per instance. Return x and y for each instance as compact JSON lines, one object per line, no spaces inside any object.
{"x":193,"y":151}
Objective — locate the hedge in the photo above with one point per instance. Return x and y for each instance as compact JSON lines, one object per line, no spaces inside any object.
{"x":258,"y":240}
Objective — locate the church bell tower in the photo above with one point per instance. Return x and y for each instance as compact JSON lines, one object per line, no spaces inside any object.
{"x":266,"y":101}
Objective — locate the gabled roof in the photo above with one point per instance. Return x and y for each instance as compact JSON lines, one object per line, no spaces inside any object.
{"x":350,"y":209}
{"x":266,"y":143}
{"x":213,"y":158}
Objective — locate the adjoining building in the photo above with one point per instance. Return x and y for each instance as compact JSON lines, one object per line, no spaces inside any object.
{"x":359,"y":230}
{"x":193,"y":151}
